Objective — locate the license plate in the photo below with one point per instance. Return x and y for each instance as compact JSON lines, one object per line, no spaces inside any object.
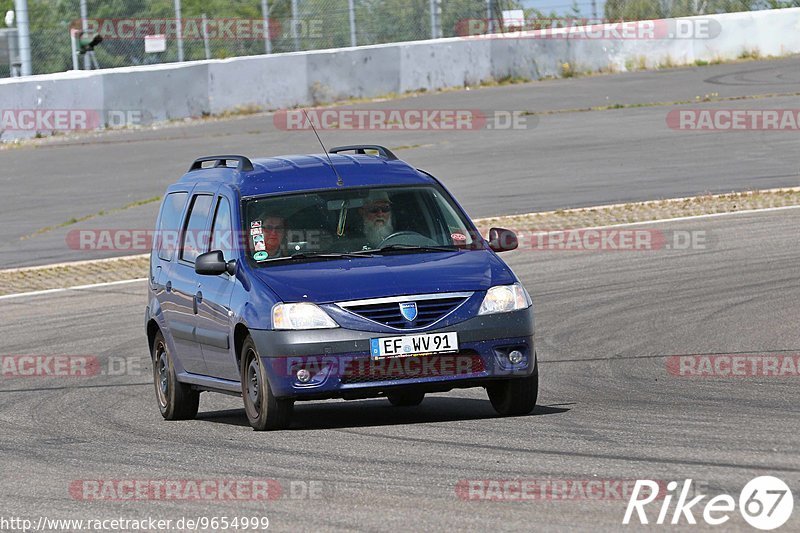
{"x":411,"y":345}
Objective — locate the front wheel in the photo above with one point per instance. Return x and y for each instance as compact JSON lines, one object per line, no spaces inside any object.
{"x":176,"y":400}
{"x":515,"y":397}
{"x":264,"y":411}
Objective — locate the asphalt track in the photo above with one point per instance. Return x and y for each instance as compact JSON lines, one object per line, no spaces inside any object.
{"x":559,"y":160}
{"x":608,"y":408}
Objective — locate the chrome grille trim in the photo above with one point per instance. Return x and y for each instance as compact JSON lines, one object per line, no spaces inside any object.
{"x":429,"y":298}
{"x":406,"y":298}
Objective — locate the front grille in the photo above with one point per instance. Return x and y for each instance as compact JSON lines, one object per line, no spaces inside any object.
{"x":396,"y":368}
{"x":430,"y":308}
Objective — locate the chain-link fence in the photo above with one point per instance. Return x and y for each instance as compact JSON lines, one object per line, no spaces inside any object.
{"x":140,"y":32}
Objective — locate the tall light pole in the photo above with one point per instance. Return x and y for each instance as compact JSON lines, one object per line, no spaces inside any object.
{"x":267,"y":36}
{"x":24,"y":36}
{"x":178,"y":29}
{"x":295,"y":35}
{"x":87,"y":62}
{"x":351,"y":5}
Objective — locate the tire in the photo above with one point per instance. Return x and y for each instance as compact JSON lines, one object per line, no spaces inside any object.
{"x":264,"y":411}
{"x":176,"y":400}
{"x":407,"y":399}
{"x":515,"y":397}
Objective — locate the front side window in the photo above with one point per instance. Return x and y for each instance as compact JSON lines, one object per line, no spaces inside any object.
{"x":355,"y":221}
{"x":222,"y":237}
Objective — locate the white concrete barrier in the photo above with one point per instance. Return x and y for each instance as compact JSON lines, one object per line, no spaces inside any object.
{"x":180,"y":90}
{"x":257,"y":82}
{"x":421,"y":64}
{"x":166,"y":92}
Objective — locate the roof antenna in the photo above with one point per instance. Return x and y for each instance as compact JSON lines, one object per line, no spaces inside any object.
{"x":339,"y":181}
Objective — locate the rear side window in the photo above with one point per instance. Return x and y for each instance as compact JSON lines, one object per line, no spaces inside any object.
{"x":167,"y":237}
{"x":194,"y":240}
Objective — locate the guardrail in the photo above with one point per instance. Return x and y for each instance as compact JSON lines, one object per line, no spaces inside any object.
{"x":131,"y":95}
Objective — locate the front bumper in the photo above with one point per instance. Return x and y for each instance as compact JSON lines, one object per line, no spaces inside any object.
{"x":341,"y":366}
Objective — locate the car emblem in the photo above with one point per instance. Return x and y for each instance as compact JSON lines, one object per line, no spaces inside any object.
{"x":409,"y":310}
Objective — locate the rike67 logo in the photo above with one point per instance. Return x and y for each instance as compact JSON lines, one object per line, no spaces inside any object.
{"x":765,"y":503}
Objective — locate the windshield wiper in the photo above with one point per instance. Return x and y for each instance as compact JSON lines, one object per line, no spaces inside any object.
{"x":412,"y":248}
{"x":322,"y":255}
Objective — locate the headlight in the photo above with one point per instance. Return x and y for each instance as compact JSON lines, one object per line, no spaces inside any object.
{"x":301,"y":316}
{"x":505,"y":298}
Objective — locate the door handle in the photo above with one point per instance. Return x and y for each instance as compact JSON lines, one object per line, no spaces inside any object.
{"x":168,"y":286}
{"x":155,"y":275}
{"x":198,"y":298}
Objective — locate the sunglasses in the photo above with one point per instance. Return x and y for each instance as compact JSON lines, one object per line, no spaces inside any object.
{"x":379,"y":209}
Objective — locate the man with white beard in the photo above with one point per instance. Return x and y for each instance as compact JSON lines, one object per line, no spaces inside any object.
{"x":377,"y":216}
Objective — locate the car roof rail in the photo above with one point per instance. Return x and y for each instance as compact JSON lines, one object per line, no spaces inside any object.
{"x":222,"y":161}
{"x":362,"y":148}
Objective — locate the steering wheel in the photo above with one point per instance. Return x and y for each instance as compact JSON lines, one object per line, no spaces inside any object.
{"x":411,"y":238}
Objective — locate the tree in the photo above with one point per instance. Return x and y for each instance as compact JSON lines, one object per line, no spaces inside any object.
{"x":650,"y":9}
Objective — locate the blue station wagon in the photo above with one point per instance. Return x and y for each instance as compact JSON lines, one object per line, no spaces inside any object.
{"x":349,"y":274}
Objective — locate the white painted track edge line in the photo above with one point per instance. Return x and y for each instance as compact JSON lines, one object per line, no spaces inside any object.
{"x":74,"y":288}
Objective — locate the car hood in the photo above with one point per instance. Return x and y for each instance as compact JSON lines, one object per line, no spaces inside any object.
{"x":326,"y":281}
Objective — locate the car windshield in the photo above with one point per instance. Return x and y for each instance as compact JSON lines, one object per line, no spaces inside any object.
{"x":356,"y":222}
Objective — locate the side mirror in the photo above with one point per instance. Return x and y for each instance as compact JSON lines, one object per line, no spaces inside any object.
{"x":502,"y":240}
{"x":213,"y":264}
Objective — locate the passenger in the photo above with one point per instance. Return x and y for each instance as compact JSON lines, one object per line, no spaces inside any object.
{"x":377,"y":216}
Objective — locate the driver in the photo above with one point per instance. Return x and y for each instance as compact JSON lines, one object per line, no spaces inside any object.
{"x":377,"y":216}
{"x":269,"y":237}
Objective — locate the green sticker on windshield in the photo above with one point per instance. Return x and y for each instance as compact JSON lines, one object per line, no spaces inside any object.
{"x":260,"y":256}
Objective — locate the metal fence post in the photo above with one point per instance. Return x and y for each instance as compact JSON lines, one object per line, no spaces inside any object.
{"x":351,"y":4}
{"x":205,"y":37}
{"x":432,"y":13}
{"x":267,"y":37}
{"x":87,"y":62}
{"x":295,"y":35}
{"x":179,"y":29}
{"x":23,"y":36}
{"x":437,"y":8}
{"x":73,"y":39}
